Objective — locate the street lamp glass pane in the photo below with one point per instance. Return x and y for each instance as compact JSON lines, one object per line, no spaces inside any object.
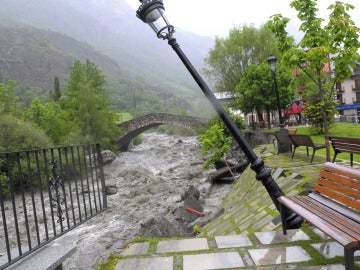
{"x":153,"y":15}
{"x":158,"y":22}
{"x":273,"y":67}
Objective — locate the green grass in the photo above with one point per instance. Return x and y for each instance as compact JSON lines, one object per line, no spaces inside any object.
{"x":336,"y":129}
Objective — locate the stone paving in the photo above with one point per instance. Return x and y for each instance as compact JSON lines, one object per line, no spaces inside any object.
{"x":248,"y":235}
{"x":262,"y":250}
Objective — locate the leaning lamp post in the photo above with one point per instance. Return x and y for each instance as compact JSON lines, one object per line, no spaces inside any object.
{"x":152,"y":13}
{"x":272,"y":63}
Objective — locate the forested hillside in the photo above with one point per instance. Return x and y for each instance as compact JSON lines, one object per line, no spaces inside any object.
{"x":40,"y":39}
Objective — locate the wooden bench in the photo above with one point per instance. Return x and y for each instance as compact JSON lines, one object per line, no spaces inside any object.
{"x":304,"y":140}
{"x":345,"y":144}
{"x":283,"y":139}
{"x":333,"y":207}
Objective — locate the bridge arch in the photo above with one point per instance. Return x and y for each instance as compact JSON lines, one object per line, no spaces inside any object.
{"x":136,"y":126}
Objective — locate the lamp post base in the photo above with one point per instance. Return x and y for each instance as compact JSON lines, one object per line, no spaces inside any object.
{"x":283,"y":148}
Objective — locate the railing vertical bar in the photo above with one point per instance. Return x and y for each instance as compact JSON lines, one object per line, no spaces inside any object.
{"x":57,"y":194}
{"x":91,"y":169}
{"x":96,"y":168}
{"x":7,"y":243}
{"x":61,"y":175}
{"x":68,"y":178}
{"x":32,"y":187}
{"x":13,"y":202}
{"x":87,"y":179}
{"x":41,"y":193}
{"x":82,"y":180}
{"x":31,"y":183}
{"x":23,"y":200}
{"x":102,"y":177}
{"x":49,"y":188}
{"x":76,"y":183}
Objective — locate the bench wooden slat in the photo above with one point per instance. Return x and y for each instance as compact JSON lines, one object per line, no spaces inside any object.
{"x":348,"y":225}
{"x":338,"y":197}
{"x":340,"y":183}
{"x":344,"y":190}
{"x":354,"y":215}
{"x":338,"y":169}
{"x":344,"y":179}
{"x":339,"y":188}
{"x":324,"y":226}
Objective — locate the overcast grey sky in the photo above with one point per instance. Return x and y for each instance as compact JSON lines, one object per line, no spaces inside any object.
{"x":215,"y":18}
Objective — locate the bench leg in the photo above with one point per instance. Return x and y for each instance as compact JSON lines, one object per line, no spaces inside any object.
{"x":293,"y":153}
{"x":351,"y":159}
{"x":312,"y":157}
{"x":349,"y":258}
{"x":335,"y":154}
{"x":283,"y":210}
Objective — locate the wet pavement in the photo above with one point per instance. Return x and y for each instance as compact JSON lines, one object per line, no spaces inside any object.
{"x":261,"y":250}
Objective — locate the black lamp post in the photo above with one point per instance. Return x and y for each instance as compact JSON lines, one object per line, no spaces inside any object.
{"x":272,"y":62}
{"x":152,"y":13}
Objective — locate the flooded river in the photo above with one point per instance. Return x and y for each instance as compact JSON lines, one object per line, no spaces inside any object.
{"x":145,"y":185}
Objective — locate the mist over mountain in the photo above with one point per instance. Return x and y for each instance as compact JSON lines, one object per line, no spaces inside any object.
{"x":106,"y":32}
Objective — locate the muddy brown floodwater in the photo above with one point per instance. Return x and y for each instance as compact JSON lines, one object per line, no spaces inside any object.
{"x":145,"y":185}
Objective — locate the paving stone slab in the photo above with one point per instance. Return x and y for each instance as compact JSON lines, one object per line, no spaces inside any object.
{"x":270,"y":256}
{"x":182,"y":245}
{"x":163,"y":263}
{"x":277,"y":237}
{"x":46,"y":258}
{"x":212,"y":261}
{"x":231,"y":241}
{"x":331,"y":249}
{"x":136,"y":249}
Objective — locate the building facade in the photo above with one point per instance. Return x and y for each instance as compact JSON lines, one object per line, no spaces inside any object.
{"x":348,"y":98}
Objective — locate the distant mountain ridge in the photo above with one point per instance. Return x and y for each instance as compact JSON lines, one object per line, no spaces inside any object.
{"x":99,"y":30}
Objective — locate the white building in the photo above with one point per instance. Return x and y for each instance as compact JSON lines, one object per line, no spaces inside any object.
{"x":348,"y":97}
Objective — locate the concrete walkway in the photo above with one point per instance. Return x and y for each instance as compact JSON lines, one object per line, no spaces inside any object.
{"x":261,"y":250}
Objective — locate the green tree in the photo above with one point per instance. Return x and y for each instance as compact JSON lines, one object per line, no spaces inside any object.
{"x":216,"y":140}
{"x":55,"y":94}
{"x":54,"y":121}
{"x":325,"y":55}
{"x":86,"y":101}
{"x":8,"y":99}
{"x":230,"y":57}
{"x":256,"y":90}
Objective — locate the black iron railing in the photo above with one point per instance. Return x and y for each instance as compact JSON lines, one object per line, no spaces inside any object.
{"x":46,"y":192}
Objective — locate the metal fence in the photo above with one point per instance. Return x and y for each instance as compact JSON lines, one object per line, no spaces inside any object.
{"x":45,"y":193}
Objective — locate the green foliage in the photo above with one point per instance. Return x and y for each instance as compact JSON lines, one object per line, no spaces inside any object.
{"x":54,"y":121}
{"x":86,"y":101}
{"x":19,"y":135}
{"x":55,"y":95}
{"x":314,"y":115}
{"x":325,"y":55}
{"x":257,"y":90}
{"x":216,"y":140}
{"x":8,"y":99}
{"x":230,"y":57}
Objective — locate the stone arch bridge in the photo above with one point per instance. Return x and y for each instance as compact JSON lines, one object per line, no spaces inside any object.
{"x":134,"y":127}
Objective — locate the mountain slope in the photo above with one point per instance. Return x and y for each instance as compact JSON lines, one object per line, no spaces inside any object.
{"x":144,"y":63}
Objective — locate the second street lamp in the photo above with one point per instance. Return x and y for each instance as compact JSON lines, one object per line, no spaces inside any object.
{"x":152,"y":13}
{"x":272,"y":62}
